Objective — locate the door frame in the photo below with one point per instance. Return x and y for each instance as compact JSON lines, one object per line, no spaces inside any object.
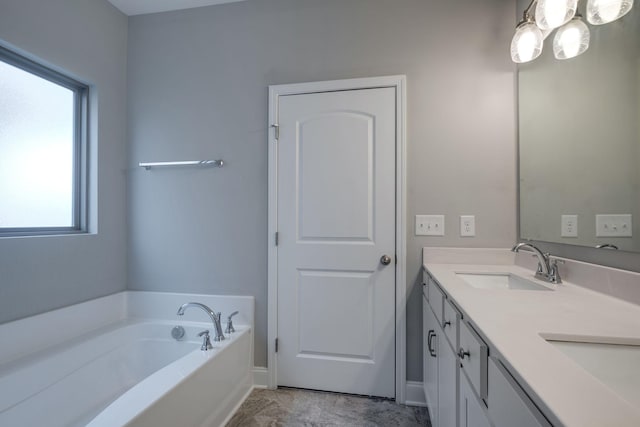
{"x":399,"y":82}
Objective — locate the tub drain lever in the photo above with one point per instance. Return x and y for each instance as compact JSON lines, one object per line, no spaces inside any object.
{"x":206,"y":342}
{"x":230,"y":328}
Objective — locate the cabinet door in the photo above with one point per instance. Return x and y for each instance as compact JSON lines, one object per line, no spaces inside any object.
{"x":508,"y":403}
{"x":430,"y":360}
{"x":471,"y":412}
{"x":447,"y":384}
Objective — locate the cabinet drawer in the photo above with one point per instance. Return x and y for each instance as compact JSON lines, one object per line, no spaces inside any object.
{"x":451,"y":318}
{"x":436,"y":300}
{"x":473,"y":354}
{"x":508,"y":405}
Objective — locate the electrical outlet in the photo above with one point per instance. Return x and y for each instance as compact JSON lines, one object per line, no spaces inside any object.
{"x":569,"y":227}
{"x":467,"y":225}
{"x":429,"y":225}
{"x":613,"y":226}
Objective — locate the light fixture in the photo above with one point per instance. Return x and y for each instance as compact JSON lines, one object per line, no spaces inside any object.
{"x":572,"y":39}
{"x":527,"y":42}
{"x":552,"y":14}
{"x":604,"y":11}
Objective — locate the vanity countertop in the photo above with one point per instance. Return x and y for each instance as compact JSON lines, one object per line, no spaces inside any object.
{"x":515,"y":321}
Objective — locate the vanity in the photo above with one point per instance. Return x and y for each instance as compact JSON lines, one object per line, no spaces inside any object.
{"x":504,"y":349}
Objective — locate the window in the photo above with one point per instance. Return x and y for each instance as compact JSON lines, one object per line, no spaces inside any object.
{"x":43,"y":127}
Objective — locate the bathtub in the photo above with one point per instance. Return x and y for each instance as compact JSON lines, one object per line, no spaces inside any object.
{"x":128,"y":372}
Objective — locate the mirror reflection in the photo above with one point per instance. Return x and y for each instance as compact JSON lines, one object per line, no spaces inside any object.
{"x":579,"y":126}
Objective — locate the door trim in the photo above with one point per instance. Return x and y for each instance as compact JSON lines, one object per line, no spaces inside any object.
{"x":275,"y":91}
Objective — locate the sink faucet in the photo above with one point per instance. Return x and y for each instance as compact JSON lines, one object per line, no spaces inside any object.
{"x":547,"y":271}
{"x":215,"y":318}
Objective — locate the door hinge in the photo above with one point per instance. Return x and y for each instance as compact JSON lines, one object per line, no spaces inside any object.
{"x":276,"y":345}
{"x":277,"y":130}
{"x":277,"y":238}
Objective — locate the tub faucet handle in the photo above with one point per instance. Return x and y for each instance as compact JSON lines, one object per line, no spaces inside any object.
{"x":206,"y":341}
{"x":230,"y":328}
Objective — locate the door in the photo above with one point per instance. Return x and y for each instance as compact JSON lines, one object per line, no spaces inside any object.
{"x":336,"y":250}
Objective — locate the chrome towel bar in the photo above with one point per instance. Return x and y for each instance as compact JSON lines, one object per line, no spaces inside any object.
{"x":212,"y":163}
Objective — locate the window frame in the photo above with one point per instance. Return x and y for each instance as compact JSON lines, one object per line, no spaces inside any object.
{"x":80,"y":145}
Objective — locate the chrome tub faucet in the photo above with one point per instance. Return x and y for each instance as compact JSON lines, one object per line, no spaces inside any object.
{"x":215,"y":317}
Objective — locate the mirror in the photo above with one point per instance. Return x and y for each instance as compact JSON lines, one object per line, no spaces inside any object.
{"x":579,"y":136}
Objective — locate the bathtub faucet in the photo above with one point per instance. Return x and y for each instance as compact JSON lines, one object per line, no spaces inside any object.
{"x":215,"y":318}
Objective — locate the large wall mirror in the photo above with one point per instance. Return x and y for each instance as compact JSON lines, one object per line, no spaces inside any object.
{"x":579,"y":138}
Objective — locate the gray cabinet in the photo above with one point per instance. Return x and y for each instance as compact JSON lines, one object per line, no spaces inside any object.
{"x":464,"y":386}
{"x":472,"y":414}
{"x":508,"y":404}
{"x":447,"y":384}
{"x":430,"y":360}
{"x":440,"y":369}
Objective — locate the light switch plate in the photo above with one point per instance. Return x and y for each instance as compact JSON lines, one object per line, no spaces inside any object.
{"x":569,"y":226}
{"x":429,"y":225}
{"x":467,"y":225}
{"x":614,"y":226}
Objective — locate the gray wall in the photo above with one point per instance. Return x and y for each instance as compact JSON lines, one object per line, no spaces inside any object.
{"x":87,"y":39}
{"x":198,"y":89}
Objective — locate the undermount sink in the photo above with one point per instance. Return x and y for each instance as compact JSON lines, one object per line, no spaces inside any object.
{"x":615,"y":365}
{"x":504,"y":281}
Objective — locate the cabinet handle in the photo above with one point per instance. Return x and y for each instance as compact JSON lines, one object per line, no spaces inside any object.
{"x":431,"y":335}
{"x":462,"y":353}
{"x":445,"y":324}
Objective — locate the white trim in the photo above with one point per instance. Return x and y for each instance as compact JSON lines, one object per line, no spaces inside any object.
{"x":400,"y":83}
{"x":415,"y":394}
{"x":260,"y":377}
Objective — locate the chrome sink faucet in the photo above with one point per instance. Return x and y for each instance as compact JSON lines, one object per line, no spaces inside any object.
{"x":547,"y":269}
{"x":215,"y":318}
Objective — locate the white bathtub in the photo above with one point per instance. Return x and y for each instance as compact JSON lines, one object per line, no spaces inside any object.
{"x":130,"y":372}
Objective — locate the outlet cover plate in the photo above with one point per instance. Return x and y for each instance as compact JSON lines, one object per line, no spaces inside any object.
{"x":569,"y":226}
{"x":614,"y":226}
{"x":467,"y":225}
{"x":429,"y":225}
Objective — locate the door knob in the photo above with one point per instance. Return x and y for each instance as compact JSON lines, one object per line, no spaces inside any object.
{"x":385,"y":260}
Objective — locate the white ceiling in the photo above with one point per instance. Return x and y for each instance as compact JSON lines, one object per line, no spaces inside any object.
{"x":139,"y":7}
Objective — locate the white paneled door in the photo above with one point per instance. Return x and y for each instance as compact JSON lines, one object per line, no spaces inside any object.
{"x":336,"y":253}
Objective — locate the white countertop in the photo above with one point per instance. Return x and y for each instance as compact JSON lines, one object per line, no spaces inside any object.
{"x":514,"y":321}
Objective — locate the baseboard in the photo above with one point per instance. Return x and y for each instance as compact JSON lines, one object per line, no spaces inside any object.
{"x":260,"y":377}
{"x":415,"y":394}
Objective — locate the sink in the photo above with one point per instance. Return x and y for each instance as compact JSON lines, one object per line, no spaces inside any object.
{"x":615,"y":365}
{"x":505,"y":281}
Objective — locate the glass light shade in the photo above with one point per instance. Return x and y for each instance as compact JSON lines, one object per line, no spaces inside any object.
{"x":571,"y":40}
{"x":604,"y":11}
{"x":527,"y":43}
{"x":552,"y":14}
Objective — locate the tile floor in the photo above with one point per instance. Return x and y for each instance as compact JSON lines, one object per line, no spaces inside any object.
{"x":292,"y":407}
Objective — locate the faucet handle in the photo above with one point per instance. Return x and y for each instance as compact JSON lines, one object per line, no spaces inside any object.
{"x":206,"y":341}
{"x":555,"y":271}
{"x":230,"y":329}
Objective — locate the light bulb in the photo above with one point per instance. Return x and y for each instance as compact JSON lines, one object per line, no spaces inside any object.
{"x":554,"y":13}
{"x":527,"y":43}
{"x":604,"y":11}
{"x":571,"y":40}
